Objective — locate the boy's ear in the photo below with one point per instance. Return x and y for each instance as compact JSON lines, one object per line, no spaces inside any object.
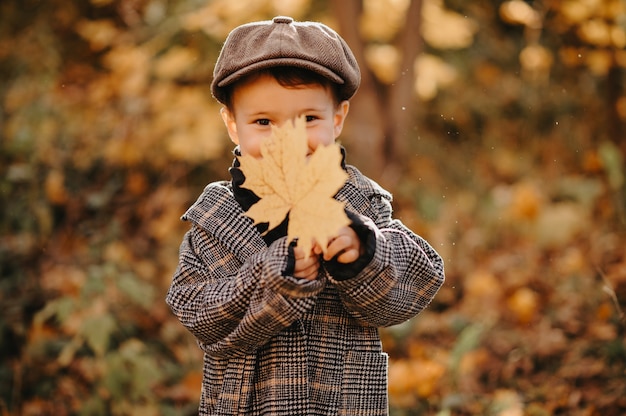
{"x":340,"y":117}
{"x":231,"y":126}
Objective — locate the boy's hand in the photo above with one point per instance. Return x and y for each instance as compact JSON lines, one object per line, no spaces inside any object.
{"x":345,"y":247}
{"x":306,"y":268}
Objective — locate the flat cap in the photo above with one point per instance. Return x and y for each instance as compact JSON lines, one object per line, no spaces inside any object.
{"x":285,"y":42}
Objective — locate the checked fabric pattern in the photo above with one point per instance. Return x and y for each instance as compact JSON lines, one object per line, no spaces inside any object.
{"x":278,"y":345}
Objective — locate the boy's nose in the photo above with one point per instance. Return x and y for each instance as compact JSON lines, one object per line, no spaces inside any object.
{"x":290,"y":120}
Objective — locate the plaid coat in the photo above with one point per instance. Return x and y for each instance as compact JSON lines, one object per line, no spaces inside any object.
{"x":278,"y":345}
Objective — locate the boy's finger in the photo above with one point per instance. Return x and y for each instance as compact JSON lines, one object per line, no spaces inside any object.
{"x":336,"y":246}
{"x":348,"y":256}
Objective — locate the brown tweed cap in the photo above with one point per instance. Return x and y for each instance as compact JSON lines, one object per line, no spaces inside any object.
{"x":285,"y":42}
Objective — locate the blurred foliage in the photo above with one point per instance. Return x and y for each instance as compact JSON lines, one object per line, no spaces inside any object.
{"x":516,"y":175}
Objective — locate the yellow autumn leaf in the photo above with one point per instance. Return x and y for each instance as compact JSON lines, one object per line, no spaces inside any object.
{"x":289,"y":182}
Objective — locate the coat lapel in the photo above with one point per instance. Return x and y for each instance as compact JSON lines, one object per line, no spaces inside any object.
{"x":221,"y":216}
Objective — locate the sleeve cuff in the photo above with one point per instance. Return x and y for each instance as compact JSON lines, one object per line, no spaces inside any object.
{"x":283,"y":282}
{"x":363,"y":229}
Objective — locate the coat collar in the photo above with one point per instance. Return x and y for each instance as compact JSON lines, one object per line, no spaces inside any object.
{"x":217,"y":211}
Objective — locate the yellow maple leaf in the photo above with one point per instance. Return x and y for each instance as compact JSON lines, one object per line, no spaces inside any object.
{"x":289,"y":182}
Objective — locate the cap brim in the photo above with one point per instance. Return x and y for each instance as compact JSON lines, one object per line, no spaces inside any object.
{"x":271,"y":63}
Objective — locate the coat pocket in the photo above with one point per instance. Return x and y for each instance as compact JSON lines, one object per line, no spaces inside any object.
{"x":235,"y":389}
{"x":364,"y":385}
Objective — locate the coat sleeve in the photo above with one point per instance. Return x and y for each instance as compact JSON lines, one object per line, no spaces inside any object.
{"x":403,"y":276}
{"x":233,"y":307}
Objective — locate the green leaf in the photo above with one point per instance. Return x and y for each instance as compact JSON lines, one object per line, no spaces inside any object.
{"x":613,"y":161}
{"x":468,"y":340}
{"x":97,"y":332}
{"x":59,"y":308}
{"x":137,"y":290}
{"x":132,"y":372}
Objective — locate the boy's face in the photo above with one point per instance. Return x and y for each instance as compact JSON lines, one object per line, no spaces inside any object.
{"x":263,"y":102}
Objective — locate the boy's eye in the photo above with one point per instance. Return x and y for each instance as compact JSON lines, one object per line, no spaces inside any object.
{"x":311,"y":118}
{"x":263,"y":122}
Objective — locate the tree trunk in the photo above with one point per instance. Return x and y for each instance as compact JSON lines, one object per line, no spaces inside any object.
{"x":382,"y":118}
{"x":401,"y":110}
{"x":364,"y":126}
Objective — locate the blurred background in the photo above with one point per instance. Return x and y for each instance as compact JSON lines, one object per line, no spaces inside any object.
{"x":500,"y":127}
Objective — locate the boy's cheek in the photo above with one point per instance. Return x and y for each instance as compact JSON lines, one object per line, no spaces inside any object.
{"x":250,"y":148}
{"x":315,"y":140}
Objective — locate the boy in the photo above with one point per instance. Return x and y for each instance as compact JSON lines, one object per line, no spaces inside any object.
{"x":283,"y":332}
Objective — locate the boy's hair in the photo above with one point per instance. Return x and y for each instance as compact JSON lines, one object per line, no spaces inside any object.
{"x":286,"y":76}
{"x":282,"y":42}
